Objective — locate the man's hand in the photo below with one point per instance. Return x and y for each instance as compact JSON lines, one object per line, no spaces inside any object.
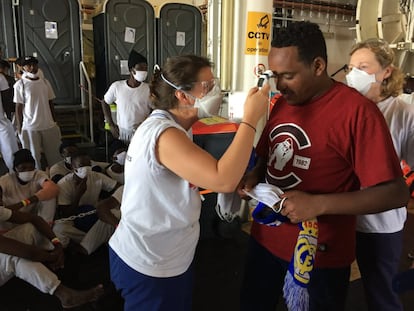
{"x":56,"y":258}
{"x":248,"y":182}
{"x":300,"y":206}
{"x":114,"y":130}
{"x":80,"y":188}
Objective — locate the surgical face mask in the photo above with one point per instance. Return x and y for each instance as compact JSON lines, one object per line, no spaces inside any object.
{"x":68,"y":160}
{"x":26,"y":176}
{"x":209,"y":104}
{"x":140,"y":76}
{"x":120,"y":158}
{"x":83,"y":171}
{"x":360,"y":80}
{"x":30,"y":75}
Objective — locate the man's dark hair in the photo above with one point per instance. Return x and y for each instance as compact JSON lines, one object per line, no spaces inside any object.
{"x":306,"y":36}
{"x":4,"y":64}
{"x":66,"y":144}
{"x":136,"y":58}
{"x":23,"y":156}
{"x":79,"y":154}
{"x":116,"y":145}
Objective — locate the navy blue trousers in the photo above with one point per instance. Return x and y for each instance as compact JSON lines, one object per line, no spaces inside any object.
{"x":378,"y":257}
{"x":145,"y":293}
{"x":264,"y":278}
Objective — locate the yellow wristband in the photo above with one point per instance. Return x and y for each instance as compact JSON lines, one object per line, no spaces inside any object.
{"x":25,"y":202}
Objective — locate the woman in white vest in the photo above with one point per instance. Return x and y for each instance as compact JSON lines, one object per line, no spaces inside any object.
{"x":153,"y":247}
{"x":380,"y":236}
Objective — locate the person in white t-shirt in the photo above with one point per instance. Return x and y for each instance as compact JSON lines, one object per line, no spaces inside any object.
{"x":132,"y":98}
{"x":380,"y":236}
{"x":36,"y":123}
{"x":31,"y":251}
{"x":109,"y":214}
{"x":27,"y":189}
{"x":64,"y":167}
{"x":8,"y":141}
{"x":116,"y":169}
{"x":152,"y":248}
{"x":7,"y":96}
{"x":79,"y":193}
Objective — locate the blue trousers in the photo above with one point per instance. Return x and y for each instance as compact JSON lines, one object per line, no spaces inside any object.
{"x":264,"y":276}
{"x":145,"y":293}
{"x":378,"y":256}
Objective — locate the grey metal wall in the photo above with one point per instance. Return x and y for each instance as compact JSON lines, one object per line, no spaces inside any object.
{"x":113,"y":40}
{"x":7,"y":38}
{"x":58,"y":57}
{"x":179,"y":31}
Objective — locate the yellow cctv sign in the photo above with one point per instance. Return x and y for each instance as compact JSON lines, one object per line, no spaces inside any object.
{"x":258,"y":33}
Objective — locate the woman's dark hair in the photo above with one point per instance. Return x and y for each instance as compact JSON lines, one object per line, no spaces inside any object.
{"x":306,"y":36}
{"x":181,"y":71}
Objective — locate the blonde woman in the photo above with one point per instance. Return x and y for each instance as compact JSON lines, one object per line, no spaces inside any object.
{"x":379,"y":236}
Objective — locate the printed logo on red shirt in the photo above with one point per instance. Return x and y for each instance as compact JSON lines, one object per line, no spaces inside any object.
{"x":287,"y":140}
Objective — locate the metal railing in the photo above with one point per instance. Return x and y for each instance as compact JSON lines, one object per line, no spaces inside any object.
{"x":87,"y":101}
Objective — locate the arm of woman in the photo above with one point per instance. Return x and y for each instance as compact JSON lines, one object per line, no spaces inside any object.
{"x":192,"y":163}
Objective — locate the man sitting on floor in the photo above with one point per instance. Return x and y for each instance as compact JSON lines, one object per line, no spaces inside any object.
{"x":64,"y":167}
{"x":27,"y":248}
{"x":79,"y":193}
{"x":27,"y":189}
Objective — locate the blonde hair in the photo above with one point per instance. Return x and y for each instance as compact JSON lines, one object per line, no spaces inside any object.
{"x":393,"y":85}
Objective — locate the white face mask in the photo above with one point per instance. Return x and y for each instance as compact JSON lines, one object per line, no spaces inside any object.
{"x":68,"y":160}
{"x":209,"y":104}
{"x":360,"y":80}
{"x":140,"y":76}
{"x":83,"y":171}
{"x":30,"y":75}
{"x":120,"y":158}
{"x":26,"y":176}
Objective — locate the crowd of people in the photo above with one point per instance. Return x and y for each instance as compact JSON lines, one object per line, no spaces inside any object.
{"x":53,"y":195}
{"x":333,"y":149}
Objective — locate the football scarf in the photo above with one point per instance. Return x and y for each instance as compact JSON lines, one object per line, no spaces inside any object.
{"x":298,"y":275}
{"x":301,"y":265}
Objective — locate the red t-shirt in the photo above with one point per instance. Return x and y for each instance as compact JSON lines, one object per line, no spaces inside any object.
{"x":338,"y":142}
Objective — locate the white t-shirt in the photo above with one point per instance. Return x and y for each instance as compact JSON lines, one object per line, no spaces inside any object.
{"x":4,"y":85}
{"x":119,"y":177}
{"x":399,"y":116}
{"x":407,"y":98}
{"x":159,"y":227}
{"x":133,"y":105}
{"x":35,"y":96}
{"x":117,"y":195}
{"x":400,"y":119}
{"x":5,"y":213}
{"x":60,"y":168}
{"x":14,"y":192}
{"x":95,"y":183}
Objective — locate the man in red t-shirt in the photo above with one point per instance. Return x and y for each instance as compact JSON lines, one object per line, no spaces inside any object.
{"x":323,"y":143}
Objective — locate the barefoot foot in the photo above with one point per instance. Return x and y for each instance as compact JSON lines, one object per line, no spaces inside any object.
{"x":71,"y":298}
